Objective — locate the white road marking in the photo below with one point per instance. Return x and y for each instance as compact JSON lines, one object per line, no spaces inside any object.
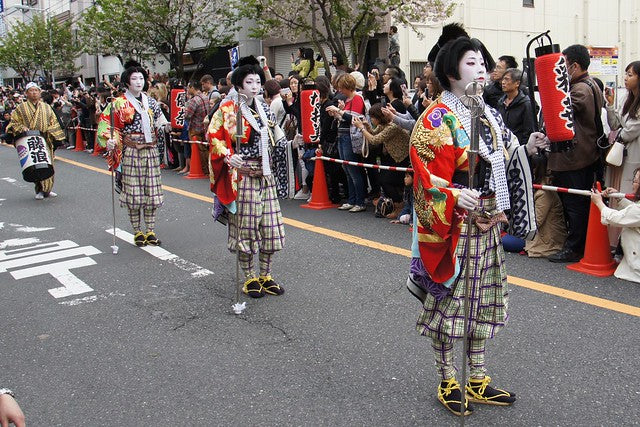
{"x":18,"y":242}
{"x":10,"y":180}
{"x":44,"y":247}
{"x":164,"y":255}
{"x":23,"y":229}
{"x":71,"y":285}
{"x":92,"y":298}
{"x":34,"y":229}
{"x":19,"y":262}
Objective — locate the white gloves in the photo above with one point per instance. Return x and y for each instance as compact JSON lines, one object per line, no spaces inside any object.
{"x":111,"y":144}
{"x":537,"y":141}
{"x":468,"y":199}
{"x":235,"y":161}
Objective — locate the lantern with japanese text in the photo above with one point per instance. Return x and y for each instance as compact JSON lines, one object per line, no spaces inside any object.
{"x":178,"y":102}
{"x":310,"y":114}
{"x":553,"y":85}
{"x":34,"y":157}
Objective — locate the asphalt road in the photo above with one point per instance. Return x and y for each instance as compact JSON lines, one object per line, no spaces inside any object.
{"x":96,"y":339}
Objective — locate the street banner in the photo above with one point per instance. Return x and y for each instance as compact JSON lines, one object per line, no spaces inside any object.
{"x":234,"y":57}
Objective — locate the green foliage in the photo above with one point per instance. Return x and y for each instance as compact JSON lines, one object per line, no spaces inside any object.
{"x":38,"y":46}
{"x":336,"y":21}
{"x":140,"y":28}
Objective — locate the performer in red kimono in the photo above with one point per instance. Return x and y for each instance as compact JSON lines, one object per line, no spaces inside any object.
{"x":137,"y":119}
{"x":502,"y":194}
{"x":248,"y":181}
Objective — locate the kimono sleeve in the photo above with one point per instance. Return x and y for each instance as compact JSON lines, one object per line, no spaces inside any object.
{"x":17,"y":125}
{"x":435,"y":158}
{"x":104,"y":127}
{"x":219,"y":135}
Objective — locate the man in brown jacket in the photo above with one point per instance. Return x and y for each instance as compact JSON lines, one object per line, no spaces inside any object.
{"x":576,"y":168}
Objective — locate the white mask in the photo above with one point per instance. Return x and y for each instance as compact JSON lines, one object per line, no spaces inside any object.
{"x":136,"y":83}
{"x":251,"y":86}
{"x":470,"y":68}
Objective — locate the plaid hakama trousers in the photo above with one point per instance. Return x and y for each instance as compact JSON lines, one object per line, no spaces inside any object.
{"x":261,"y":227}
{"x":443,"y":321}
{"x":141,"y":179}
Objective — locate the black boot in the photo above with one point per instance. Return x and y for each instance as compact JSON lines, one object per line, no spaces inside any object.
{"x":253,"y":288}
{"x":479,"y":391}
{"x":270,"y":287}
{"x":450,"y":396}
{"x":139,"y":239}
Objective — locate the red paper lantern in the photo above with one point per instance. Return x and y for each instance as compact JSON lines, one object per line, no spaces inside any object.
{"x":178,"y":102}
{"x":310,"y":115}
{"x":553,"y":84}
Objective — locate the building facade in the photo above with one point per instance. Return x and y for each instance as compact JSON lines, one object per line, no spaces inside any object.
{"x":506,"y":26}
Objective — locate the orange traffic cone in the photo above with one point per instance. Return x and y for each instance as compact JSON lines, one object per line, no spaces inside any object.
{"x":597,"y":260}
{"x":195,"y":167}
{"x":97,"y":149}
{"x":319,"y":192}
{"x":79,"y":142}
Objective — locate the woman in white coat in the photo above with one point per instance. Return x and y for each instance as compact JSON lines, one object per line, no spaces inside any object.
{"x":627,"y":119}
{"x":627,"y":216}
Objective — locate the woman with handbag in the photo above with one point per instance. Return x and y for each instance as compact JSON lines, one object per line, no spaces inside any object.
{"x":395,"y":152}
{"x":627,"y":121}
{"x":344,"y":112}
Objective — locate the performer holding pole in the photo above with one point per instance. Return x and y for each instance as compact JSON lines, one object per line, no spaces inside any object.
{"x":248,"y":178}
{"x":444,"y":244}
{"x":137,"y":121}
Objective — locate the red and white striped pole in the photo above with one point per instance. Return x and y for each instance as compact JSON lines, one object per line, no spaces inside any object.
{"x":587,"y":193}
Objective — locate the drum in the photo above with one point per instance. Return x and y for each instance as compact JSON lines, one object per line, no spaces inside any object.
{"x":34,"y":157}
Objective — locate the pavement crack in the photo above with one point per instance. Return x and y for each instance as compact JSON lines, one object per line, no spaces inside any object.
{"x":270,"y":324}
{"x":185,"y":322}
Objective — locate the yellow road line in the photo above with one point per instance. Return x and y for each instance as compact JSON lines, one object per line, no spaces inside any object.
{"x":540,"y":287}
{"x":576,"y":296}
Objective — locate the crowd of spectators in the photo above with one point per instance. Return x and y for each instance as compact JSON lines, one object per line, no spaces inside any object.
{"x":367,"y":115}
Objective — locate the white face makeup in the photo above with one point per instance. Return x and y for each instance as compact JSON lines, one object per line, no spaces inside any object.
{"x":471,"y":68}
{"x":136,"y":83}
{"x":250,"y":86}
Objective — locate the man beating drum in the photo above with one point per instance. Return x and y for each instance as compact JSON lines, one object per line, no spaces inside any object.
{"x":36,"y":115}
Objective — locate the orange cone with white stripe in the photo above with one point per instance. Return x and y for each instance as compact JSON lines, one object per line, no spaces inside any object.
{"x":597,"y":260}
{"x":79,"y":141}
{"x":195,"y":167}
{"x":319,"y":192}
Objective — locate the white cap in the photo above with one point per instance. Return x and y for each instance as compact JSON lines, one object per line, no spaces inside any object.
{"x":359,"y":77}
{"x":30,"y":85}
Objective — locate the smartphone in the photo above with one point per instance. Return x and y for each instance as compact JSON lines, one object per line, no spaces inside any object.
{"x":404,"y":89}
{"x":383,"y":101}
{"x":609,"y":88}
{"x":285,"y":91}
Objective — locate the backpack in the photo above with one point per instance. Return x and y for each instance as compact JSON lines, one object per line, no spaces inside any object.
{"x":602,"y":140}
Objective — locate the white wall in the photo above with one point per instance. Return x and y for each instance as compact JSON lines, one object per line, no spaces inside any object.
{"x":505,"y":26}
